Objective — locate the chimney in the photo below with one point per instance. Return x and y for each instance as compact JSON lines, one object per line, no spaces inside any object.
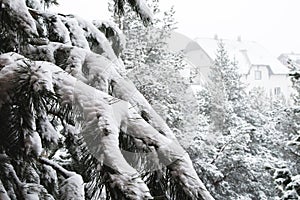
{"x":216,"y":37}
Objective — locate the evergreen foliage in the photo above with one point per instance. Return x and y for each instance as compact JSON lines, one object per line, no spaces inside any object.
{"x":288,"y":122}
{"x":155,"y":69}
{"x":73,"y":125}
{"x":238,"y":137}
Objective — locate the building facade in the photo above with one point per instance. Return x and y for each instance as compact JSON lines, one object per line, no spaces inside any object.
{"x":256,"y":65}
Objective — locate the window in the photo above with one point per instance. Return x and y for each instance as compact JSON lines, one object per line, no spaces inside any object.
{"x":277,"y":91}
{"x":257,"y":75}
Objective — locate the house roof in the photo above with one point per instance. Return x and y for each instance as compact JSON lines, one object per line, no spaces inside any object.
{"x":295,"y":57}
{"x":246,"y":53}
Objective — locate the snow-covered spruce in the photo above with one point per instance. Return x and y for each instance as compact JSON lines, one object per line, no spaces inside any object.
{"x":72,"y":186}
{"x":3,"y":192}
{"x":140,"y":6}
{"x":98,"y":89}
{"x":103,"y":120}
{"x":102,"y":74}
{"x":18,"y":13}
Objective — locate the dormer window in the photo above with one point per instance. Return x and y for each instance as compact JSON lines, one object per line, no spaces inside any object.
{"x":257,"y":75}
{"x":277,"y":91}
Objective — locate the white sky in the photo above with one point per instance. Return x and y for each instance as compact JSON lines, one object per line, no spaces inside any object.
{"x":275,"y":24}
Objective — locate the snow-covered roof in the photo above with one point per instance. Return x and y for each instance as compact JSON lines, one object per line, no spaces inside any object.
{"x":295,"y":57}
{"x":246,"y":53}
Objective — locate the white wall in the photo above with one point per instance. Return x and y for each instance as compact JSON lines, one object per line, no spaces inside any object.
{"x":282,"y":81}
{"x":269,"y":81}
{"x":250,"y":77}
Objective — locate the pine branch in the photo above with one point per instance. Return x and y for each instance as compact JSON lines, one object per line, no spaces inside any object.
{"x":4,"y":158}
{"x":13,"y":175}
{"x":139,"y":6}
{"x":65,"y":173}
{"x":3,"y":192}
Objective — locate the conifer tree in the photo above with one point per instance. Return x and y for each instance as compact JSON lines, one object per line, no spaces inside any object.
{"x":288,"y":122}
{"x":73,"y":126}
{"x":227,"y":102}
{"x":235,"y":142}
{"x":154,"y":69}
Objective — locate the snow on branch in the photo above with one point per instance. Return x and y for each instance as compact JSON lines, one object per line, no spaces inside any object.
{"x":113,"y":34}
{"x":97,"y":39}
{"x":100,"y":121}
{"x":65,"y":173}
{"x":101,"y":131}
{"x":91,"y":79}
{"x":171,"y":154}
{"x":13,"y":175}
{"x":73,"y":186}
{"x":3,"y":192}
{"x":18,"y":13}
{"x":104,"y":116}
{"x":75,"y":31}
{"x":69,"y":30}
{"x":25,"y":190}
{"x":140,"y":7}
{"x":51,"y":26}
{"x":103,"y":74}
{"x":78,"y":35}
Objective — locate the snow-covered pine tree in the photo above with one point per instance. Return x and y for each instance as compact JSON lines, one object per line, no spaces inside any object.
{"x":154,"y":69}
{"x":66,"y":107}
{"x":287,"y":178}
{"x":226,"y":91}
{"x":236,"y":148}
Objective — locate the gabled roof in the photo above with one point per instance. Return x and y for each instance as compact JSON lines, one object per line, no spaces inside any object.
{"x":294,"y":57}
{"x":246,"y":53}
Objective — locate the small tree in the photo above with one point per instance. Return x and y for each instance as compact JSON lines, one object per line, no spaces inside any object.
{"x":237,"y":139}
{"x":155,"y":69}
{"x":287,"y":179}
{"x":227,"y":102}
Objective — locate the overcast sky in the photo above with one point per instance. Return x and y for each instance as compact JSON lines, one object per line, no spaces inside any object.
{"x":272,"y":23}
